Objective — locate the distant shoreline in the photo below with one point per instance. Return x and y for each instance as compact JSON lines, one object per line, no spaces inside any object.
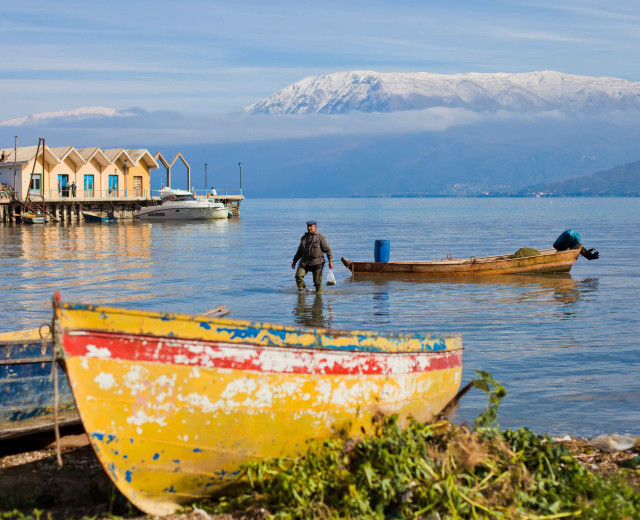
{"x":488,"y":196}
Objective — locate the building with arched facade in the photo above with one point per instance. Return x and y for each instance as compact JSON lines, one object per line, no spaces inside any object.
{"x":54,"y":173}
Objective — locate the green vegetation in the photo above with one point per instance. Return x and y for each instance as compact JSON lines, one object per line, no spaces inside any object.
{"x":524,"y":252}
{"x":435,"y":471}
{"x":432,"y":471}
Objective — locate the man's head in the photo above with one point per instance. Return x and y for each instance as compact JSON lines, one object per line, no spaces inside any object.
{"x":311,"y":226}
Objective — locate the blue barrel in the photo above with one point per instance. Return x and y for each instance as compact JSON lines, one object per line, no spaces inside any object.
{"x":568,"y":240}
{"x":382,"y":250}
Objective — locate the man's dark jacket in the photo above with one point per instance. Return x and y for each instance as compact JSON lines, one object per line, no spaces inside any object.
{"x":311,"y":250}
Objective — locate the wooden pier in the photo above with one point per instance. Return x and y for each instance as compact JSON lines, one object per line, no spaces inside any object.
{"x":65,"y":209}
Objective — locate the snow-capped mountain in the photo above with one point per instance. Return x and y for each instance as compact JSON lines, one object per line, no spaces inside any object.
{"x":368,"y":91}
{"x":70,"y":115}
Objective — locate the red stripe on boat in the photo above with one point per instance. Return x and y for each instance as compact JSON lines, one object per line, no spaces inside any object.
{"x":208,"y":354}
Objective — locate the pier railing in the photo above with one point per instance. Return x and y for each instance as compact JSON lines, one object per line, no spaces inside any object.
{"x":233,"y":192}
{"x":68,"y":193}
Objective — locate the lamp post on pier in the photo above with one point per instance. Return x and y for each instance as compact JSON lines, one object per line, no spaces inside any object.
{"x":206,"y":184}
{"x":240,"y":166}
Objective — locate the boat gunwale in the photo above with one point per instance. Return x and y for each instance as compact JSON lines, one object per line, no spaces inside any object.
{"x":471,"y":260}
{"x":248,"y":323}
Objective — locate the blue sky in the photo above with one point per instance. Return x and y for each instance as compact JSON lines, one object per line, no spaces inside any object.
{"x":215,"y":57}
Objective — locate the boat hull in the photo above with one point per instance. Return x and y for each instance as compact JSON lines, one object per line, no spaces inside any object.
{"x":32,"y":219}
{"x":548,"y":261}
{"x":27,"y":388}
{"x":193,"y":213}
{"x":173,"y":417}
{"x":92,"y":217}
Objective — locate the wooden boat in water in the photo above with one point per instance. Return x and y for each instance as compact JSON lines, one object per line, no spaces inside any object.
{"x":99,"y":217}
{"x":27,"y":386}
{"x":32,"y":218}
{"x":174,"y":404}
{"x":547,"y":261}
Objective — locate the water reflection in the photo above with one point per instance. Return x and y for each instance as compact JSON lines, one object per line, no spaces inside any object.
{"x":561,"y":286}
{"x":93,"y":263}
{"x":381,"y":311}
{"x":309,"y":311}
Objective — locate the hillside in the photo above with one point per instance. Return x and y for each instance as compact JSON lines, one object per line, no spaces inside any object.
{"x":622,"y":180}
{"x":476,"y":160}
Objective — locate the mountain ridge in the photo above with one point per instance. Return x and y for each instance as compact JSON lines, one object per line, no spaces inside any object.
{"x":370,"y":91}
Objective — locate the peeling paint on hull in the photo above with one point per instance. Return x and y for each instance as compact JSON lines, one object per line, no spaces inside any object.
{"x":172,"y":416}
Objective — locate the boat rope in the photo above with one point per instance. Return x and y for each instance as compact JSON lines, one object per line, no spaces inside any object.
{"x":48,"y":333}
{"x":56,"y":425}
{"x":56,"y":391}
{"x":384,"y":267}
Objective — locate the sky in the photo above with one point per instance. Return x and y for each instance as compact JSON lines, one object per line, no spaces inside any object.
{"x":205,"y":58}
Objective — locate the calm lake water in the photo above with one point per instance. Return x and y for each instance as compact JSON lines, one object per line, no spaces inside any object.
{"x":565,"y":346}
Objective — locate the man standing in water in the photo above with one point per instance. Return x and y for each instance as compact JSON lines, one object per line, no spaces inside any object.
{"x":313,"y":246}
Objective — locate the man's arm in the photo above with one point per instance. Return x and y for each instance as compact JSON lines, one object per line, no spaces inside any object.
{"x":326,"y":248}
{"x":297,"y":256}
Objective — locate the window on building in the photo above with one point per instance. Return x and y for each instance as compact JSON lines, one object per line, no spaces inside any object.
{"x":63,"y":184}
{"x":88,"y":185}
{"x":113,"y":185}
{"x":36,"y":184}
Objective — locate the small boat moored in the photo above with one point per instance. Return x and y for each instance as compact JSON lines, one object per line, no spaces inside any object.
{"x":566,"y":250}
{"x":32,"y":218}
{"x":183,"y":205}
{"x":175,"y":404}
{"x":90,"y":216}
{"x":27,"y":383}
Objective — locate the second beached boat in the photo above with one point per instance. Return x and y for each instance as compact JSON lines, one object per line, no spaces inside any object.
{"x":174,"y":404}
{"x":27,"y":387}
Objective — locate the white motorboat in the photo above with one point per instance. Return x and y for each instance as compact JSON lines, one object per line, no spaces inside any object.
{"x":183,"y":205}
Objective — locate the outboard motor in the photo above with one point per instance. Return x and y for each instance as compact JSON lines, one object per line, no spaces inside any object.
{"x":570,"y":239}
{"x":590,"y":254}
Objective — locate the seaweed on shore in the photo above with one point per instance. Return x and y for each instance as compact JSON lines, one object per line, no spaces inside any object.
{"x":434,"y":471}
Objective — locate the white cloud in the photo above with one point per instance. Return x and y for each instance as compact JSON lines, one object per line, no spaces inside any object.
{"x":172,"y":128}
{"x":75,"y":114}
{"x":545,"y":36}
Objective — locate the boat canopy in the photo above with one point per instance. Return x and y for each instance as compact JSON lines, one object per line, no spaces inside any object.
{"x":177,"y":196}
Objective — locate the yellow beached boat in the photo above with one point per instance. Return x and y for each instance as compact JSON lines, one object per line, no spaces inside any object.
{"x":174,"y":404}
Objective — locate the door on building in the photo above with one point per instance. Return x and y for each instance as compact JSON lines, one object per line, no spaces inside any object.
{"x":137,"y":186}
{"x":113,"y":185}
{"x":63,"y":185}
{"x":88,"y":185}
{"x":36,"y":184}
